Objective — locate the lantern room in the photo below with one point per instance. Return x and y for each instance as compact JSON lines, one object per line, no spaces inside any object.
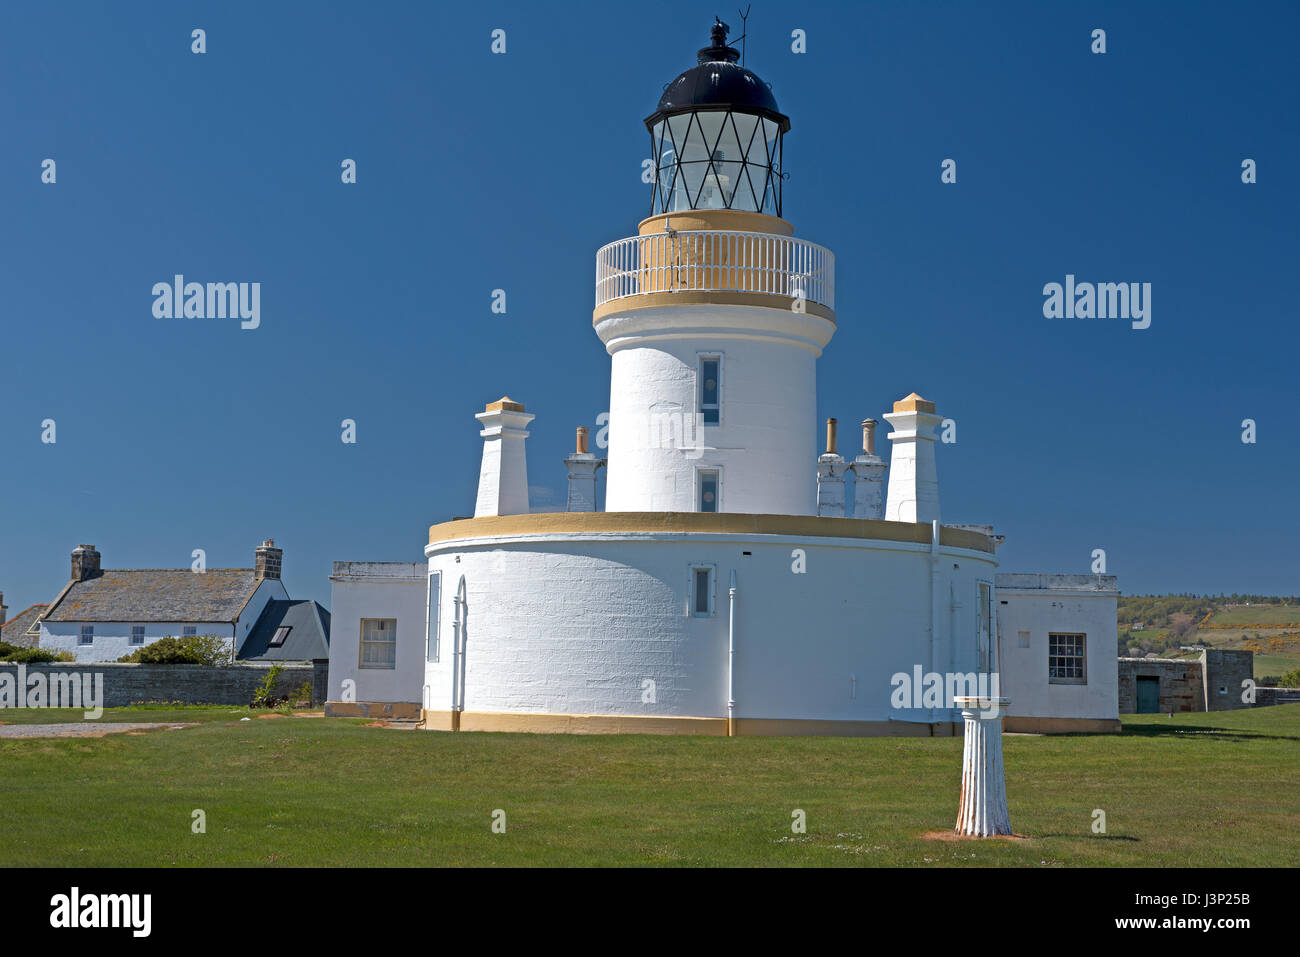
{"x":716,"y":137}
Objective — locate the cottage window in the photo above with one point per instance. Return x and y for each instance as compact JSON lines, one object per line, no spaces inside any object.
{"x":1067,"y":659}
{"x":87,"y":635}
{"x":137,"y":634}
{"x":189,"y":631}
{"x":379,"y":643}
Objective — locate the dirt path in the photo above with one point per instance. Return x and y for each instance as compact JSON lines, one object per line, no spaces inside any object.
{"x":87,"y":729}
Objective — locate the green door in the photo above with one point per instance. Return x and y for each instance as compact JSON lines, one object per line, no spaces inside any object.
{"x":1148,"y":695}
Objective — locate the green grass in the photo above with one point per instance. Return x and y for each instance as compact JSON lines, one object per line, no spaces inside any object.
{"x":1275,"y":665}
{"x":1257,"y":615}
{"x":1194,"y":790}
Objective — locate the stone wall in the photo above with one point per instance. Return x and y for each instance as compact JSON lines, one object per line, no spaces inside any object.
{"x":1270,"y":696}
{"x":1181,"y":684}
{"x":126,"y":684}
{"x":1224,"y":671}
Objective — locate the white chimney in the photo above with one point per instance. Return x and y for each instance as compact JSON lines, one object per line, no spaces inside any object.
{"x":582,"y":476}
{"x":830,"y":477}
{"x":868,"y":476}
{"x":503,"y":478}
{"x":913,"y":478}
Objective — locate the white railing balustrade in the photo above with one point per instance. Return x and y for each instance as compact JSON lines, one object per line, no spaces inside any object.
{"x":715,"y":260}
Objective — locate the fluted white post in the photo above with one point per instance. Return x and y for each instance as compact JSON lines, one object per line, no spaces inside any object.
{"x":983,"y":809}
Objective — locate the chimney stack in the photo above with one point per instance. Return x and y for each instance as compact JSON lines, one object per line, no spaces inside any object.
{"x":85,"y":563}
{"x":503,"y":475}
{"x":868,"y":472}
{"x":267,"y":560}
{"x":830,"y":478}
{"x":582,"y":476}
{"x":4,"y":610}
{"x":913,"y":477}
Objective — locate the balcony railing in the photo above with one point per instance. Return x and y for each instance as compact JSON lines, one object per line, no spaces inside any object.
{"x":715,"y":261}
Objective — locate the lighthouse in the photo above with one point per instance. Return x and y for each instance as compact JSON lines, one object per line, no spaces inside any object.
{"x":714,"y":314}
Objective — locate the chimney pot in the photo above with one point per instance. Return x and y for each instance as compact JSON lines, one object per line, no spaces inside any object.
{"x":85,"y":563}
{"x":869,"y":436}
{"x":267,"y":560}
{"x":830,"y":437}
{"x":582,"y":439}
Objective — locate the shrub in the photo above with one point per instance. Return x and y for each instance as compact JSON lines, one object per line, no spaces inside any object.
{"x":1291,"y":679}
{"x":264,"y":695}
{"x":192,"y":650}
{"x":29,"y":656}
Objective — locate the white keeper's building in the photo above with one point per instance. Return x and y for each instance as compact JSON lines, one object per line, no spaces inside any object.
{"x":737,"y":582}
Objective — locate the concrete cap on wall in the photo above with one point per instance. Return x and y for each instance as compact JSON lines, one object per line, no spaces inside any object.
{"x":504,"y":404}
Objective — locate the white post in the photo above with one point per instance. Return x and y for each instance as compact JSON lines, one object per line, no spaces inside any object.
{"x":983,"y":808}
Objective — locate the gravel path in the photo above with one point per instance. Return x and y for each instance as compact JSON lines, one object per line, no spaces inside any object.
{"x":87,"y":729}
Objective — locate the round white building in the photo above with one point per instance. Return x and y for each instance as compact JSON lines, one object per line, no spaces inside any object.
{"x":731,"y":585}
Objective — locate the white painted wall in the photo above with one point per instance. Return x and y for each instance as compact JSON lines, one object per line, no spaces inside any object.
{"x":577,"y":624}
{"x":113,"y":638}
{"x":1038,"y":605}
{"x":377,"y":590}
{"x":766,"y":442}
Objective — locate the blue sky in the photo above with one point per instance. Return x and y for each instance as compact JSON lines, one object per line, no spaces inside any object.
{"x":479,"y":171}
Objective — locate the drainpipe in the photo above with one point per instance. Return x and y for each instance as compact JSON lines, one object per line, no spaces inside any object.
{"x":458,"y":658}
{"x":934,"y":602}
{"x":731,"y":657}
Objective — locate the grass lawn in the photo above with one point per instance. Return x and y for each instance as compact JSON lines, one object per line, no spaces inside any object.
{"x":1194,"y":790}
{"x":1275,"y":615}
{"x":1275,"y":664}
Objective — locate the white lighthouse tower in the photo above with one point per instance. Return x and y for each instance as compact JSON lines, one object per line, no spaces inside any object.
{"x":714,"y":314}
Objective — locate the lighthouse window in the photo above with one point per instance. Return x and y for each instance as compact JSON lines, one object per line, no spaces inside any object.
{"x":701,"y":597}
{"x":710,"y":389}
{"x":708,"y":490}
{"x":435,"y":587}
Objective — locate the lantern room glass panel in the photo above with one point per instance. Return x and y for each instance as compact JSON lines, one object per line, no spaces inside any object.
{"x":716,"y":159}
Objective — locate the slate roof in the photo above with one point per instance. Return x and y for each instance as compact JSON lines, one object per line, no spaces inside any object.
{"x":308,"y":638}
{"x":15,"y":628}
{"x":158,"y":594}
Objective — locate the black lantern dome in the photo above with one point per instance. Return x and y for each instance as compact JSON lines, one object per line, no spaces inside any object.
{"x":716,"y":137}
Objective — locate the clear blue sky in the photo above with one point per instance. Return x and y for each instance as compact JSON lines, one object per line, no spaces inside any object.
{"x":479,"y":171}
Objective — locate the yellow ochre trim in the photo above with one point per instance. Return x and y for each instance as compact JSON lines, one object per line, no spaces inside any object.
{"x":913,"y":403}
{"x":725,"y":219}
{"x":695,"y":297}
{"x":392,"y":710}
{"x":1061,"y":725}
{"x":529,"y":723}
{"x":723,"y":523}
